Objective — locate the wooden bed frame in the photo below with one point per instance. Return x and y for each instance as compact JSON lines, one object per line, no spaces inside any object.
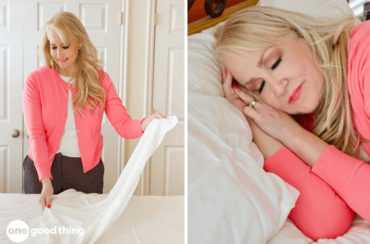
{"x":207,"y":22}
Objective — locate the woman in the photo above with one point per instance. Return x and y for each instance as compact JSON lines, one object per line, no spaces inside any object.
{"x":304,"y":86}
{"x":63,"y":105}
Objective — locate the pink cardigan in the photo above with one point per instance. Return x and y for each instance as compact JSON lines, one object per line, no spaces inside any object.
{"x":337,"y":185}
{"x":45,"y":106}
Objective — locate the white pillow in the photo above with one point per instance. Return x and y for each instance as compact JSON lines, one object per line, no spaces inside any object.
{"x":230,"y":198}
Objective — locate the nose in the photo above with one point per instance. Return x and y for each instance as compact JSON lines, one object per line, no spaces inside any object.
{"x":59,"y":53}
{"x":279,"y":86}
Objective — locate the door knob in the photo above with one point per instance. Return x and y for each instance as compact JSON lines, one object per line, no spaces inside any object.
{"x":16,"y":133}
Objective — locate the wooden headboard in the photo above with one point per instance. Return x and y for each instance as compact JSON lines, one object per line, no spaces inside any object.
{"x":200,"y":11}
{"x":199,"y":19}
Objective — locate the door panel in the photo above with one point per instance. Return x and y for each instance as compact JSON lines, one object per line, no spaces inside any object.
{"x":167,"y":164}
{"x":11,"y":70}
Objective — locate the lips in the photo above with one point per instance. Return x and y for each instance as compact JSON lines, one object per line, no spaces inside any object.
{"x":296,"y":94}
{"x":63,"y":60}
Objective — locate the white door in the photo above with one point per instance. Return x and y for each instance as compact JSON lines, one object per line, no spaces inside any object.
{"x":11,"y":80}
{"x":167,"y":164}
{"x":101,"y":18}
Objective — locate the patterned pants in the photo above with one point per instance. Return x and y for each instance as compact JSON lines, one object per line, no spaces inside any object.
{"x":67,"y":174}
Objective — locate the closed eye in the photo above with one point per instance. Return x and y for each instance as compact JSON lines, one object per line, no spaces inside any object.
{"x":261,"y":87}
{"x":276,"y":64}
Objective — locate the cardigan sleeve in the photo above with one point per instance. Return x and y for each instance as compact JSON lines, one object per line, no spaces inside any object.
{"x":319,"y":211}
{"x":32,"y":111}
{"x":348,"y":176}
{"x":122,"y":122}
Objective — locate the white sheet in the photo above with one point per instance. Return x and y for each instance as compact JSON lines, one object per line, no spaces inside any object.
{"x":146,"y":219}
{"x":70,"y":208}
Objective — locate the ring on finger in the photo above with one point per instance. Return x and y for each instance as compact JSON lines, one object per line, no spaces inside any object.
{"x":253,"y":103}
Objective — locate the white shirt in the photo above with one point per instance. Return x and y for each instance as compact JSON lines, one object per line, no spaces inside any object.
{"x":363,"y":154}
{"x":69,"y":143}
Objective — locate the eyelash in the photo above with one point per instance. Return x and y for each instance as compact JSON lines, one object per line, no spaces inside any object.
{"x":261,"y":87}
{"x":272,"y":67}
{"x":276,"y":64}
{"x":56,"y":48}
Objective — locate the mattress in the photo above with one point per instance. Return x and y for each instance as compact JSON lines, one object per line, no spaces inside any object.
{"x":146,"y":219}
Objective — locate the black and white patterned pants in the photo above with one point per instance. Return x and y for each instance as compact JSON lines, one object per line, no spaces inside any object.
{"x":67,"y":174}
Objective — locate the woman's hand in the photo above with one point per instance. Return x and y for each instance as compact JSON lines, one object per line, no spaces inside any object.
{"x":274,"y":122}
{"x":266,"y":143}
{"x":46,"y":193}
{"x":271,"y":121}
{"x":272,"y":128}
{"x":283,"y":128}
{"x":149,"y":119}
{"x":229,"y":91}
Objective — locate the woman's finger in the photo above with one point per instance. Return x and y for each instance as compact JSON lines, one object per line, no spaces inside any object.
{"x":243,"y":96}
{"x":159,"y":116}
{"x":223,"y":74}
{"x":48,"y":201}
{"x":227,"y":87}
{"x":251,"y":112}
{"x":42,"y":201}
{"x":229,"y":91}
{"x":228,"y":78}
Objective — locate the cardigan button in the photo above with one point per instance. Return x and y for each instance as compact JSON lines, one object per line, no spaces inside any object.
{"x":78,"y":131}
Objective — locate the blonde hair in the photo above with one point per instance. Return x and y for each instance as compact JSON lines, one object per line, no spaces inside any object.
{"x":89,"y":90}
{"x":256,"y":28}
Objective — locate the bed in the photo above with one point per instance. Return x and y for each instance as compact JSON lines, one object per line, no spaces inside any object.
{"x":230,"y":198}
{"x":146,"y":219}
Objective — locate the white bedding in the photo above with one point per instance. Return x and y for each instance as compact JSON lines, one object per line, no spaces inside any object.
{"x":146,"y":219}
{"x":87,"y":216}
{"x":359,"y":233}
{"x":230,"y":196}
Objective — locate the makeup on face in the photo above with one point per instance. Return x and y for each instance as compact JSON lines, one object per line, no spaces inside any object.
{"x":270,"y":59}
{"x":63,"y":54}
{"x":288,"y":78}
{"x":296,"y":94}
{"x":58,"y":49}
